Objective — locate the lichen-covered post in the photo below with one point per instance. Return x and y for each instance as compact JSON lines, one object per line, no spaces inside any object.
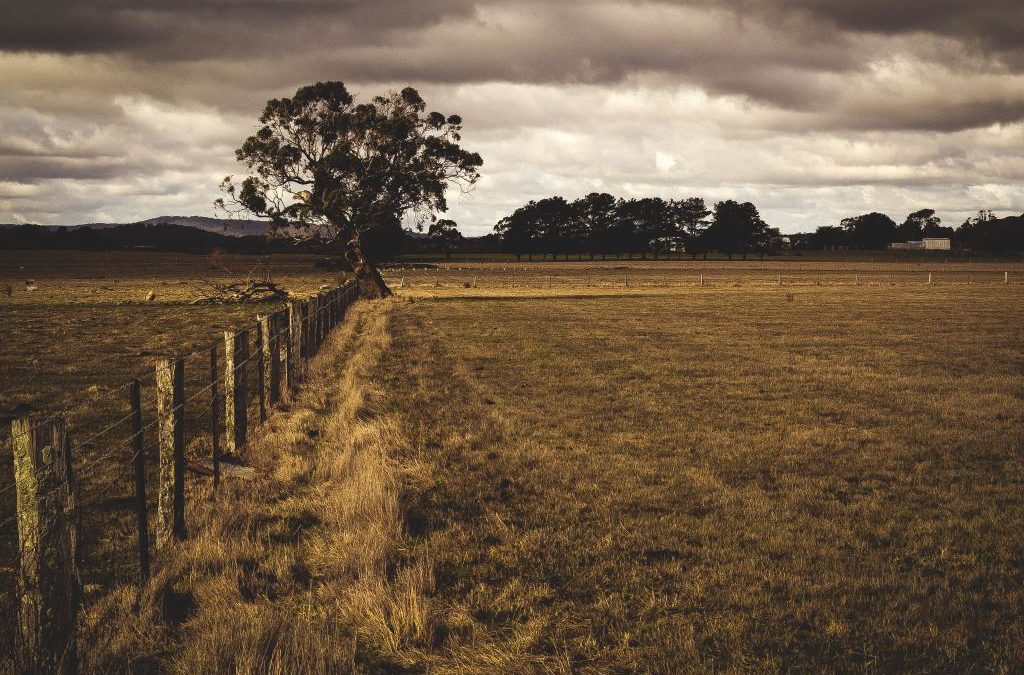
{"x":139,"y":466}
{"x":170,"y":410}
{"x":48,"y":583}
{"x":261,"y":376}
{"x":214,"y":426}
{"x":311,"y":324}
{"x":236,"y":390}
{"x":321,"y":316}
{"x":271,"y":362}
{"x":284,"y":351}
{"x":294,"y":342}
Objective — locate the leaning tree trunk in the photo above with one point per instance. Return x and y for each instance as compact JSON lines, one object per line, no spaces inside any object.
{"x":371,"y":284}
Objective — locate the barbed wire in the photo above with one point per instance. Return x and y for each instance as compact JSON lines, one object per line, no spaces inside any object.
{"x":339,"y":302}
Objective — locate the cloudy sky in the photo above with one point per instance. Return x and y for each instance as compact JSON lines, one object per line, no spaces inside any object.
{"x":119,"y":110}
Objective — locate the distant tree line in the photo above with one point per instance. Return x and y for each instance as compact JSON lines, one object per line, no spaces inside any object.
{"x":983,"y":233}
{"x":600,"y":224}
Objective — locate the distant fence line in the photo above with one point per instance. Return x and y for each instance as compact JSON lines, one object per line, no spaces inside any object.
{"x":425,"y":278}
{"x":48,"y":468}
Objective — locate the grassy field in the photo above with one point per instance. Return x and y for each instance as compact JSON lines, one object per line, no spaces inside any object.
{"x":76,"y":340}
{"x":725,"y":479}
{"x":666,"y":277}
{"x":581,"y":475}
{"x":734,"y":480}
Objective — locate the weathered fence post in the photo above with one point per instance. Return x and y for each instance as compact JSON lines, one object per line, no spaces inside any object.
{"x":48,"y":583}
{"x":236,"y":391}
{"x":170,"y":403}
{"x":261,"y":379}
{"x":284,"y":352}
{"x":321,"y":331}
{"x":271,"y":362}
{"x":313,"y":310}
{"x":214,"y":427}
{"x":139,"y":464}
{"x":295,"y":326}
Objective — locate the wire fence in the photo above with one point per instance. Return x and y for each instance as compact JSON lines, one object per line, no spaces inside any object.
{"x":93,"y":483}
{"x":504,"y":279}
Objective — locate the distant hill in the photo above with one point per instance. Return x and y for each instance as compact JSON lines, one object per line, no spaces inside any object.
{"x":156,"y":235}
{"x":225,"y":226}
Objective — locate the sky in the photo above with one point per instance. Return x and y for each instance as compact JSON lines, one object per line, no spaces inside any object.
{"x":815,"y":110}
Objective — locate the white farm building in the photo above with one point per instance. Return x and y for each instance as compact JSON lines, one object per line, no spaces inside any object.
{"x":926,"y":244}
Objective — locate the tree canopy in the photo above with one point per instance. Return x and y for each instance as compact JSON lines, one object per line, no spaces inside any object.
{"x":600,"y":223}
{"x":325,"y":167}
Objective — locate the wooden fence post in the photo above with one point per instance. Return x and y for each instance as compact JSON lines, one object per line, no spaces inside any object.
{"x":321,"y":323}
{"x":214,"y":427}
{"x":311,"y":318}
{"x":261,"y":379}
{"x":236,"y":390}
{"x":139,"y":464}
{"x":48,"y":583}
{"x":271,"y":362}
{"x":170,"y":403}
{"x":284,"y":350}
{"x":300,"y":310}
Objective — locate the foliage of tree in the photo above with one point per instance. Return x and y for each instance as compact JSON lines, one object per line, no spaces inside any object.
{"x":988,"y":234}
{"x":444,"y":235}
{"x":598,"y":223}
{"x":327,"y":168}
{"x":921,"y":224}
{"x":738,"y":228}
{"x":870,"y":231}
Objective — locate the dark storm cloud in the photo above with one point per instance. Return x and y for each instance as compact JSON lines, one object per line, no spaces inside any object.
{"x":996,"y":24}
{"x":229,"y":52}
{"x":106,"y":100}
{"x":186,"y":28}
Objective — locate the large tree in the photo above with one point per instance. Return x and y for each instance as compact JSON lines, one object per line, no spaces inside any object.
{"x":597,"y":214}
{"x":737,"y":228}
{"x":871,"y":230}
{"x":325,"y":167}
{"x":691,"y":220}
{"x":444,"y":235}
{"x":917,"y":225}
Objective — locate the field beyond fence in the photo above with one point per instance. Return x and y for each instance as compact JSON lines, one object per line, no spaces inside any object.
{"x":96,"y":488}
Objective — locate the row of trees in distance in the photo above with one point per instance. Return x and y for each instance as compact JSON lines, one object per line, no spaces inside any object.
{"x":600,"y":224}
{"x":983,"y":232}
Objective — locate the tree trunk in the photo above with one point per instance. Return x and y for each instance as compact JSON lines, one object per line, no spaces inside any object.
{"x":371,"y":284}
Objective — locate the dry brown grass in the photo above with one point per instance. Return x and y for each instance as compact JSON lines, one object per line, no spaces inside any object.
{"x":674,"y":479}
{"x":295,"y":572}
{"x":723,"y":480}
